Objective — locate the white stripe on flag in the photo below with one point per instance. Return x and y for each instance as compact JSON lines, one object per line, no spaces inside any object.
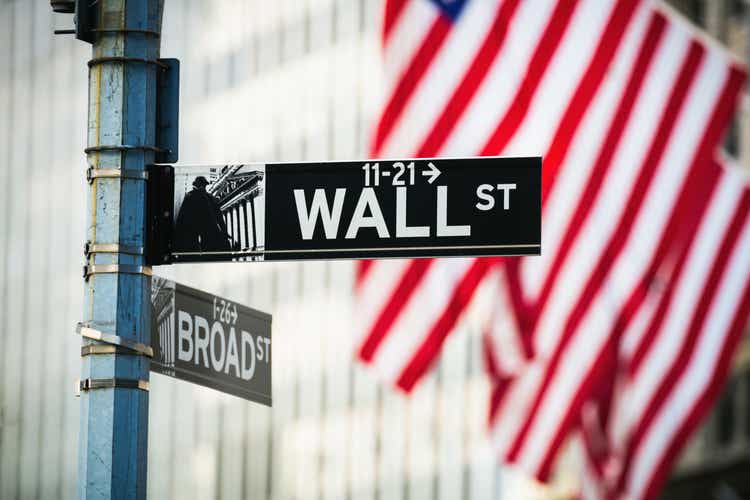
{"x":689,"y":292}
{"x":417,"y":316}
{"x":706,"y":92}
{"x":503,"y":334}
{"x":583,"y":153}
{"x":406,"y":37}
{"x":442,"y":77}
{"x":514,"y":408}
{"x":615,"y":191}
{"x":502,"y":80}
{"x":698,"y":373}
{"x":561,"y":77}
{"x":595,"y":329}
{"x":383,"y":275}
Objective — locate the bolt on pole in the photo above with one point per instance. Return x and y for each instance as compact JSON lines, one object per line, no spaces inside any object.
{"x":113,"y":439}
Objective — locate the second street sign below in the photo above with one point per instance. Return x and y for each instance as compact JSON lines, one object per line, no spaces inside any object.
{"x":371,"y":209}
{"x":210,"y":341}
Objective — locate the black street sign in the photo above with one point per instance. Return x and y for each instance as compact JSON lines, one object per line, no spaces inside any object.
{"x":210,"y":341}
{"x":367,"y":209}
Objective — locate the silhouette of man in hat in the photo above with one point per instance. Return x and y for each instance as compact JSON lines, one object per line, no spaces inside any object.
{"x":200,"y":226}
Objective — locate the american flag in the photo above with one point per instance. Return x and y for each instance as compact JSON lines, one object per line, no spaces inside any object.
{"x":622,"y":331}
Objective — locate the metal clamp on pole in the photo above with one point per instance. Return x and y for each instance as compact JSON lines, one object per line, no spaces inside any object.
{"x":119,"y":59}
{"x":152,"y":33}
{"x":114,"y":341}
{"x":94,"y":349}
{"x":123,"y":147}
{"x":89,"y":248}
{"x":90,"y":384}
{"x":114,"y":173}
{"x":115,"y":268}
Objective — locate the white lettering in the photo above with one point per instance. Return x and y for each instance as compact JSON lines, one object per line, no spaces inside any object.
{"x":319,"y":207}
{"x":185,"y":335}
{"x":217,"y":331}
{"x":367,"y":199}
{"x":201,"y":341}
{"x":232,"y":357}
{"x":267,"y":341}
{"x":506,"y":189}
{"x":248,"y":371}
{"x":218,"y":347}
{"x":402,"y":230}
{"x":443,"y":229}
{"x":489,"y":200}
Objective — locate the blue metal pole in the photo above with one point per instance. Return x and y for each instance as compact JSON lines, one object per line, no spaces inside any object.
{"x":113,"y":437}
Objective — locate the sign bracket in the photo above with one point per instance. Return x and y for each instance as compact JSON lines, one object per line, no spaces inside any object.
{"x":159,"y":214}
{"x":167,"y":110}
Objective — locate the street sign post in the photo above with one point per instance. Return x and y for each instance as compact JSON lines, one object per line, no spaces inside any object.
{"x":357,"y":210}
{"x":210,"y":341}
{"x":143,"y":213}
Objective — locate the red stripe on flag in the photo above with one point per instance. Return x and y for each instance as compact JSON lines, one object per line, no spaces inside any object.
{"x":393,"y":10}
{"x":362,"y":268}
{"x":695,"y":191}
{"x":644,"y":178}
{"x":497,"y":394}
{"x":537,"y":67}
{"x":521,"y":308}
{"x":587,"y":88}
{"x":679,"y":230}
{"x":604,"y":159}
{"x":625,"y":224}
{"x":601,"y":369}
{"x":652,"y":332}
{"x":490,"y":364}
{"x":410,"y":80}
{"x":704,"y":403}
{"x":695,"y":194}
{"x":429,"y":348}
{"x":681,"y":361}
{"x":465,"y":91}
{"x":566,"y":130}
{"x":401,"y":294}
{"x":718,"y":122}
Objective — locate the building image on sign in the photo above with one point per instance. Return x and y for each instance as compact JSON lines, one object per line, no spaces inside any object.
{"x":278,"y":81}
{"x":163,"y":314}
{"x":220,"y":210}
{"x":239,"y":191}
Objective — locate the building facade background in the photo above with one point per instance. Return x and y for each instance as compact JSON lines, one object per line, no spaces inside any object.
{"x":261,"y":81}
